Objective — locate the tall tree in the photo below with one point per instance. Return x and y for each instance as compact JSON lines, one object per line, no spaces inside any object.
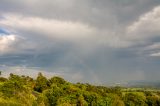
{"x":41,"y":83}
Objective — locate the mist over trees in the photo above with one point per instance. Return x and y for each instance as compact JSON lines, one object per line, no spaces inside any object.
{"x":25,"y":91}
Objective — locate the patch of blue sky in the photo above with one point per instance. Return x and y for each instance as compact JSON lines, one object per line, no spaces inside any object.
{"x":3,"y":32}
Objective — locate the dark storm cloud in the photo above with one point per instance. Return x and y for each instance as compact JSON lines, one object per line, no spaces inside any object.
{"x":98,"y":13}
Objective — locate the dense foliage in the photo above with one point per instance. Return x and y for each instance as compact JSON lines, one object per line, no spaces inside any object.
{"x":26,"y":91}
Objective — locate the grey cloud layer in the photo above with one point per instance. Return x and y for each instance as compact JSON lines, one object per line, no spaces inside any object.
{"x":95,"y":12}
{"x":93,"y":39}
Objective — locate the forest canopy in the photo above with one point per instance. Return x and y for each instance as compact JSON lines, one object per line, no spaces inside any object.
{"x":23,"y":90}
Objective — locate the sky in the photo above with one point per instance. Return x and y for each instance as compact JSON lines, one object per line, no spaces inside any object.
{"x":95,"y":41}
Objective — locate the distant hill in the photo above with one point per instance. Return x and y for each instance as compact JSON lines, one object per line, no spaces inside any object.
{"x":152,"y":84}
